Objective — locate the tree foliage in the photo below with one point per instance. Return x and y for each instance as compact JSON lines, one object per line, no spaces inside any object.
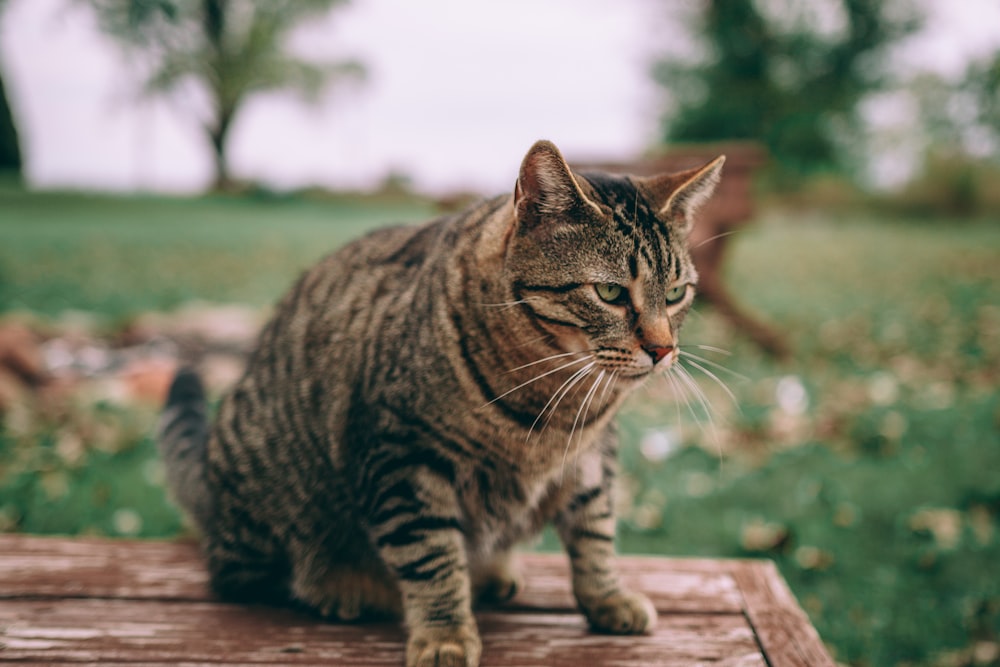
{"x":982,"y":85}
{"x":233,"y":48}
{"x":10,"y":148}
{"x":788,"y":73}
{"x":10,"y":145}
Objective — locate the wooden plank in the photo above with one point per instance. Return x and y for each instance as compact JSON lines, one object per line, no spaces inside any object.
{"x":673,"y":585}
{"x":786,"y":636}
{"x":151,"y":631}
{"x":55,"y":567}
{"x":65,"y":568}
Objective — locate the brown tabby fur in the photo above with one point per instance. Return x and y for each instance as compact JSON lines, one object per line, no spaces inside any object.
{"x":427,"y":397}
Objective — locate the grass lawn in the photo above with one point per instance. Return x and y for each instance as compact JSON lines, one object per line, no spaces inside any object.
{"x":116,"y":257}
{"x":867,"y":466}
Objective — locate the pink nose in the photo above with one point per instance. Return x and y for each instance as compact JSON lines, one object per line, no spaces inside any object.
{"x":657,"y":352}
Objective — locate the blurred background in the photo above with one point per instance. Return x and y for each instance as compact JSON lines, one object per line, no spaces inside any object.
{"x":167,"y":167}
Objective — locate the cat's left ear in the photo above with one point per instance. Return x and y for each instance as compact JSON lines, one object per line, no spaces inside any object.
{"x":547,"y":188}
{"x":678,"y":196}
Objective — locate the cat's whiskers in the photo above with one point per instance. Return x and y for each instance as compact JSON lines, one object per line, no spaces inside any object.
{"x":712,"y":238}
{"x":711,"y":348}
{"x":683,"y":394}
{"x":558,"y":395}
{"x":532,"y":341}
{"x":708,"y":362}
{"x":681,"y":380}
{"x":612,"y":376}
{"x":707,"y":406}
{"x":712,"y":376}
{"x":535,"y":379}
{"x":510,"y":304}
{"x":584,"y":409}
{"x":543,"y":360}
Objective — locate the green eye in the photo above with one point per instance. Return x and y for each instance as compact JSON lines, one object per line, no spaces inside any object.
{"x":610,"y":292}
{"x":676,"y":294}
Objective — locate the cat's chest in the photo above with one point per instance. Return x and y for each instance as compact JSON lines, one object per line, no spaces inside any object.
{"x":504,"y":505}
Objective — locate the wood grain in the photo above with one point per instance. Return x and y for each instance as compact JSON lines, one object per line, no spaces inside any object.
{"x":90,"y":601}
{"x":783,"y":629}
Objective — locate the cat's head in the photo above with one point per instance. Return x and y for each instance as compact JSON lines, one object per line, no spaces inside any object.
{"x":601,"y":262}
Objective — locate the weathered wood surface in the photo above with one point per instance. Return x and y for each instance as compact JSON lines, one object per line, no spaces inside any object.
{"x":86,"y":601}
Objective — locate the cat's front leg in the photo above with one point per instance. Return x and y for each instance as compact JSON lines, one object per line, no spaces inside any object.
{"x":415,"y":525}
{"x":586,"y":527}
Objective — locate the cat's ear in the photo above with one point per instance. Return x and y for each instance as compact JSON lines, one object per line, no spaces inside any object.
{"x":546,"y":186}
{"x":678,"y":196}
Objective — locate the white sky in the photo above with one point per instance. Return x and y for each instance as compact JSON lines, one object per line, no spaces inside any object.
{"x":457,"y":91}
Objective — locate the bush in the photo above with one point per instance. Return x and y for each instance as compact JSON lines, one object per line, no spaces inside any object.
{"x":951,"y":185}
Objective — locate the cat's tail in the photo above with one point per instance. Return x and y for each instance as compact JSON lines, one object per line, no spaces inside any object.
{"x":183,"y":441}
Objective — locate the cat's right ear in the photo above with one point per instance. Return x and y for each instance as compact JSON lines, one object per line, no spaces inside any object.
{"x":546,"y":187}
{"x":678,"y":196}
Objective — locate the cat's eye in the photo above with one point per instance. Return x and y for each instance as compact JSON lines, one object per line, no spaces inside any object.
{"x":611,"y":292}
{"x":676,"y":294}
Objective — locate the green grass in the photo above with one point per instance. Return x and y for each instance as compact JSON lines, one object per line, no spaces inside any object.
{"x":879,"y":500}
{"x":115,"y":257}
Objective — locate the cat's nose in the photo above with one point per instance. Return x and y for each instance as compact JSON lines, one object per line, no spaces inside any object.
{"x":657,"y":352}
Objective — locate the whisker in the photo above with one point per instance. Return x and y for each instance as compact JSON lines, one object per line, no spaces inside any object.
{"x":584,"y":409}
{"x":510,"y":304}
{"x":678,"y":394}
{"x":587,"y":400}
{"x":561,"y":392}
{"x":536,"y":378}
{"x":684,"y":393}
{"x":709,"y":362}
{"x":543,"y":360}
{"x":532,"y":341}
{"x":718,"y":381}
{"x":717,"y":236}
{"x":711,"y":348}
{"x":685,"y":378}
{"x":707,"y":405}
{"x":604,"y":394}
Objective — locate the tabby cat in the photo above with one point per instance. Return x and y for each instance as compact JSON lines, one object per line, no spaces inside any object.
{"x":427,"y":397}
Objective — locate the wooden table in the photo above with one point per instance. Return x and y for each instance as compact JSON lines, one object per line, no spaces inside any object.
{"x":77,"y":601}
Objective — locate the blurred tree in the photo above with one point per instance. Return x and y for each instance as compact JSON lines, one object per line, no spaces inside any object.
{"x":982,"y":82}
{"x":10,"y":146}
{"x":232,"y":48}
{"x":958,"y":125}
{"x":789,"y":73}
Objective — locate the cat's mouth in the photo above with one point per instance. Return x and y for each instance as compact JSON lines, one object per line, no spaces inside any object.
{"x":637,"y":365}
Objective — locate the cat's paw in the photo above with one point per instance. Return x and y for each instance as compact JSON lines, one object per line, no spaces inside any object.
{"x":622,"y":613}
{"x":444,"y":647}
{"x":500,"y":583}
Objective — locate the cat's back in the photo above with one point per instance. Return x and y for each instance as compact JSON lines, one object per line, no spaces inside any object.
{"x":347,"y":286}
{"x":390,"y":249}
{"x":354,"y":295}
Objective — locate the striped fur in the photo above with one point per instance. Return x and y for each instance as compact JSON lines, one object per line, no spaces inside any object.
{"x":427,"y":397}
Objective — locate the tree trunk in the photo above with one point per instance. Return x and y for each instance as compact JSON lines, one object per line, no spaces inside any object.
{"x":10,"y":149}
{"x":214,"y":25}
{"x":222,"y":180}
{"x":219,"y":136}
